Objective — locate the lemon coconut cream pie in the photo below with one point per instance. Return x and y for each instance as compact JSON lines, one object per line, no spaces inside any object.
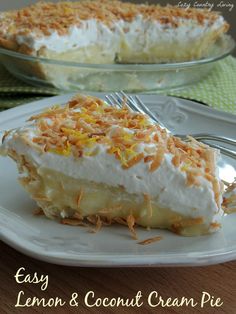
{"x":90,"y":161}
{"x":110,"y":31}
{"x":70,"y":35}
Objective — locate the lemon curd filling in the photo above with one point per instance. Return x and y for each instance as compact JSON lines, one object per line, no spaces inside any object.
{"x":90,"y":162}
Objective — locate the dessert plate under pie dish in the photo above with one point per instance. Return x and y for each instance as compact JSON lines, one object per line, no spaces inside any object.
{"x":74,"y":76}
{"x":112,"y":246}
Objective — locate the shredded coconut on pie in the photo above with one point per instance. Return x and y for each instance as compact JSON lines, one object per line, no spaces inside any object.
{"x":109,"y":31}
{"x":91,"y":161}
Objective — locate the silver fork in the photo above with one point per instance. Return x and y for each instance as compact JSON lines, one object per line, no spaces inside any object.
{"x":136,"y":104}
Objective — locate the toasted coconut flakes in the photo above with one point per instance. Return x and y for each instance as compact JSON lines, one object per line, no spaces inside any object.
{"x":72,"y":103}
{"x":39,"y":140}
{"x":120,"y":220}
{"x":230,"y":210}
{"x":25,"y":181}
{"x":210,"y":160}
{"x":229,"y":200}
{"x":78,"y":216}
{"x":187,"y":223}
{"x":194,"y":141}
{"x":43,"y":125}
{"x":170,"y":142}
{"x":87,"y":127}
{"x":72,"y":222}
{"x":216,"y":189}
{"x":92,"y":219}
{"x":98,"y":224}
{"x":38,"y":212}
{"x":106,"y":221}
{"x":6,"y":133}
{"x":192,"y":177}
{"x":150,"y":240}
{"x":209,"y":177}
{"x":158,"y":159}
{"x":156,"y":137}
{"x":176,"y":160}
{"x":97,"y":134}
{"x":131,"y":222}
{"x":133,"y":161}
{"x":215,"y":225}
{"x":164,"y":134}
{"x":80,"y":196}
{"x":41,"y":198}
{"x":149,"y":158}
{"x":140,"y":135}
{"x":147,"y":198}
{"x":231,"y":186}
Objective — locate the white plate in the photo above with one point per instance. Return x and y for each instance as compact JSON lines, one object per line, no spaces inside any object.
{"x":47,"y":240}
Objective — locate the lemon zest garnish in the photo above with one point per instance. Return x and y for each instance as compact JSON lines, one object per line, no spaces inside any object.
{"x":75,"y":133}
{"x":66,"y":151}
{"x":186,"y":165}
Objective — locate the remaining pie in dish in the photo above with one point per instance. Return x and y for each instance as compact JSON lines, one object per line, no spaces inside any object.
{"x":91,"y":161}
{"x":111,"y":31}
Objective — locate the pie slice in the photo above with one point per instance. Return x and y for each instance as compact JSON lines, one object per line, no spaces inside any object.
{"x":91,"y":161}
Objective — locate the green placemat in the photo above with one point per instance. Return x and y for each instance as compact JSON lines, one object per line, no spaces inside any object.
{"x":217,"y":90}
{"x":10,"y":101}
{"x":11,"y":85}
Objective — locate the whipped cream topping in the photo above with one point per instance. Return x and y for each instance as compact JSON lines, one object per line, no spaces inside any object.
{"x":140,"y":34}
{"x":167,"y":184}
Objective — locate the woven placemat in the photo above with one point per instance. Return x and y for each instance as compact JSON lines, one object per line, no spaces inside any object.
{"x":217,"y":90}
{"x":11,"y":85}
{"x":10,"y":101}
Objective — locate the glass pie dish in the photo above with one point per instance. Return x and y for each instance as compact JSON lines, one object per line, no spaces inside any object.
{"x":73,"y":76}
